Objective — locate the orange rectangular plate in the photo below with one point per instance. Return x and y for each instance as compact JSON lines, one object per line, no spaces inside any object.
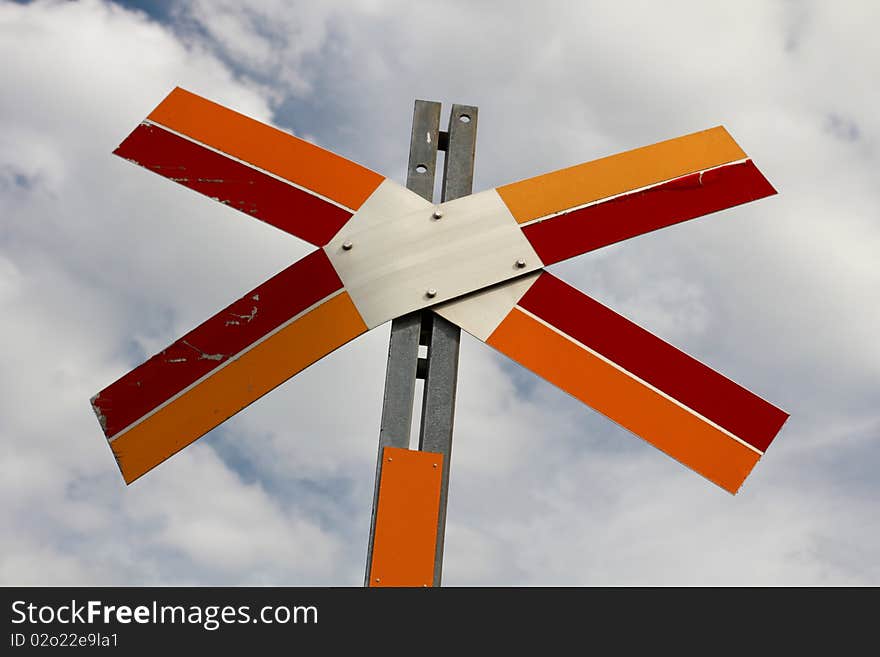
{"x":405,"y":542}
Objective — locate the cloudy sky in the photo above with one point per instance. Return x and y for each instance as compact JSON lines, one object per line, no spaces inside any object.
{"x":102,"y":264}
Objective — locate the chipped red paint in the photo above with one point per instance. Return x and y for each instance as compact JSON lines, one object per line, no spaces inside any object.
{"x":209,"y":345}
{"x":643,"y":354}
{"x":233,"y":183}
{"x":623,"y":217}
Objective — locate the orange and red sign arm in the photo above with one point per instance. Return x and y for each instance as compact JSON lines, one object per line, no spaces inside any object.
{"x":694,"y":414}
{"x":630,"y":215}
{"x":233,"y":183}
{"x":571,"y":211}
{"x":405,"y":546}
{"x":274,"y":331}
{"x":654,"y":361}
{"x":250,"y":166}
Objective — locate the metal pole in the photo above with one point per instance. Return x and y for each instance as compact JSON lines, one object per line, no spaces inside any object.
{"x":443,"y":337}
{"x":440,"y":368}
{"x":403,"y":347}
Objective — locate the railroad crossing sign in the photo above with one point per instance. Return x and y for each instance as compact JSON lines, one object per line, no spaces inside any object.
{"x":478,"y":261}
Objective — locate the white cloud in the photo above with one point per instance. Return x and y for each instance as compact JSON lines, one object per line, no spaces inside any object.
{"x":98,"y":258}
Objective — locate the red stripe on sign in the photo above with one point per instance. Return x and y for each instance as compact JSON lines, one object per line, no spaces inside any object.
{"x":623,"y":217}
{"x":234,"y":184}
{"x":212,"y":343}
{"x":646,"y":356}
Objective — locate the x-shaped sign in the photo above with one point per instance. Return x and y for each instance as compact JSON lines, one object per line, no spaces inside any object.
{"x":478,"y":261}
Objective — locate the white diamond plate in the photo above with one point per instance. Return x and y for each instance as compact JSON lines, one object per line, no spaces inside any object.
{"x":399,"y":251}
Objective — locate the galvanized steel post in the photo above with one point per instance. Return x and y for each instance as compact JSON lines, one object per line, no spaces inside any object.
{"x":440,"y":367}
{"x":444,"y":337}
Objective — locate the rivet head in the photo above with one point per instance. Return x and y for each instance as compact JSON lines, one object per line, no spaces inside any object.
{"x":346,"y":245}
{"x":431,"y":293}
{"x":520,"y":264}
{"x":389,"y":459}
{"x":437,"y":214}
{"x":377,"y":579}
{"x":435,"y":465}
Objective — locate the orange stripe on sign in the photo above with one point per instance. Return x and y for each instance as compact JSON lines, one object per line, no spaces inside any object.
{"x":625,"y":400}
{"x":269,"y":148}
{"x":229,"y":389}
{"x":405,"y":539}
{"x":585,"y":183}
